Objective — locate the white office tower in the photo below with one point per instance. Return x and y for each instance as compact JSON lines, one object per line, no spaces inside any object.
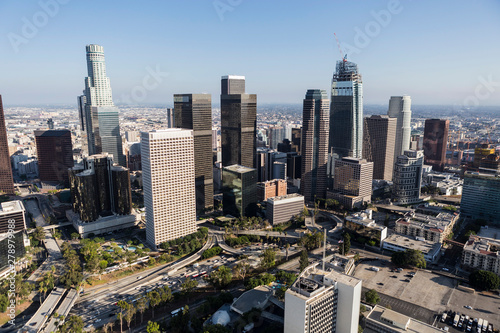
{"x":97,"y":110}
{"x":407,"y":177}
{"x":400,"y":108}
{"x":323,"y":301}
{"x":169,"y":184}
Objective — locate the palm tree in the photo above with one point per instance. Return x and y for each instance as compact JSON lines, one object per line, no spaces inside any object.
{"x":154,"y":300}
{"x":287,"y":247}
{"x":142,"y":306}
{"x":42,"y":288}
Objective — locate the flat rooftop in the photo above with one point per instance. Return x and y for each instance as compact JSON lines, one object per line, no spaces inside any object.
{"x":394,"y":321}
{"x":411,"y":243}
{"x":286,"y":197}
{"x":9,"y":207}
{"x":239,"y":168}
{"x":483,"y":245}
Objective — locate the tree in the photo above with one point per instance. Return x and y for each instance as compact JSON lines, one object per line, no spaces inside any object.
{"x":39,"y":234}
{"x":268,"y":258}
{"x":346,"y":244}
{"x":372,"y":296}
{"x":141,"y":307}
{"x":304,"y":260}
{"x":154,"y":299}
{"x":4,"y":302}
{"x":221,"y":277}
{"x":123,"y":307}
{"x":188,"y":285}
{"x":73,"y":324}
{"x":287,"y":247}
{"x":409,"y":257}
{"x":218,"y":328}
{"x":42,"y":288}
{"x":484,"y":280}
{"x":241,"y":269}
{"x":153,"y":327}
{"x":129,"y":314}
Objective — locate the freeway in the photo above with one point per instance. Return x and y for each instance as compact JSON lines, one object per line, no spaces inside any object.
{"x":62,"y":310}
{"x":54,"y":258}
{"x":44,"y":311}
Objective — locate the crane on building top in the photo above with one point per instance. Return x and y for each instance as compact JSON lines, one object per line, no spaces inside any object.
{"x":344,"y":57}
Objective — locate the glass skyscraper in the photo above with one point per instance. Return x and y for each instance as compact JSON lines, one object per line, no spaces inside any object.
{"x":400,"y":108}
{"x":98,"y":115}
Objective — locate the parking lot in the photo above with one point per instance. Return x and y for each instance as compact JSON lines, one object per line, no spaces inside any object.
{"x":426,"y":289}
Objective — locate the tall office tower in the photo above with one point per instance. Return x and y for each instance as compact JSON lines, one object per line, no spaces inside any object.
{"x":239,"y":190}
{"x":323,"y":301}
{"x":83,"y":122}
{"x":293,"y":165}
{"x":55,"y":155}
{"x":170,"y":118}
{"x":417,"y":142}
{"x":436,"y":142}
{"x":400,"y":108}
{"x":238,"y":122}
{"x":481,"y":196}
{"x":346,"y":111}
{"x":314,"y":144}
{"x":275,"y":135}
{"x":296,"y":139}
{"x":215,"y":138}
{"x":50,"y":123}
{"x":378,"y":145}
{"x":408,"y":177}
{"x":194,"y":111}
{"x":353,"y":182}
{"x":101,"y":116}
{"x":168,"y":174}
{"x":6,"y":180}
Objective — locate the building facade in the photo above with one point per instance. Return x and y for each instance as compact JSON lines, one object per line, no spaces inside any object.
{"x":168,"y":174}
{"x":435,"y":142}
{"x":363,"y":225}
{"x":283,"y":208}
{"x":481,"y":196}
{"x":352,"y":185}
{"x":482,"y":253}
{"x":379,"y":143}
{"x":398,"y":243}
{"x":408,"y":177}
{"x":194,"y":111}
{"x":400,"y":108}
{"x":429,"y":227}
{"x":383,"y":320}
{"x":55,"y":155}
{"x":346,"y":111}
{"x":315,"y":122}
{"x":271,"y":188}
{"x":12,"y":216}
{"x":98,"y":114}
{"x":239,"y":190}
{"x":323,"y":301}
{"x":238,"y":122}
{"x":6,"y":179}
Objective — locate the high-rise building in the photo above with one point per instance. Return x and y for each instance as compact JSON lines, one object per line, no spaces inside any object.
{"x":55,"y":155}
{"x":275,"y":135}
{"x":481,"y":196}
{"x":323,"y":301}
{"x":239,"y":190}
{"x":238,"y":122}
{"x":194,"y":111}
{"x":98,"y":114}
{"x":378,"y":145}
{"x":346,"y":111}
{"x":50,"y":124}
{"x":436,"y":142}
{"x":170,"y":118}
{"x":12,"y":216}
{"x":168,"y":176}
{"x":281,"y":209}
{"x":100,"y":195}
{"x":271,"y":188}
{"x":314,"y":144}
{"x":408,"y":177}
{"x":400,"y":108}
{"x":6,"y":180}
{"x":352,"y":185}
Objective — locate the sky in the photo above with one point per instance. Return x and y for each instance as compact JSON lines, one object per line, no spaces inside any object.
{"x":439,"y":52}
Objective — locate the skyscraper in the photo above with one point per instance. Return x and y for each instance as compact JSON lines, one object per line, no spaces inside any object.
{"x":168,"y":173}
{"x":170,"y":118}
{"x":194,"y":111}
{"x":314,"y":144}
{"x":6,"y":180}
{"x":481,"y":196}
{"x":238,"y":122}
{"x":378,"y":145}
{"x":400,"y":108}
{"x":435,"y":142}
{"x":55,"y":155}
{"x":101,"y":116}
{"x":346,"y":111}
{"x":408,"y":177}
{"x":239,"y":190}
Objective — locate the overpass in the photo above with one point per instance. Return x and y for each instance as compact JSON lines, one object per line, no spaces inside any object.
{"x":62,"y":310}
{"x":36,"y":322}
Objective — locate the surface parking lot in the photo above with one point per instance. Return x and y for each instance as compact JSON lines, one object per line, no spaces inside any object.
{"x":428,"y":290}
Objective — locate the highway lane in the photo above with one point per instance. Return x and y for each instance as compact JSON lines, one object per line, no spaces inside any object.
{"x":62,"y":310}
{"x":44,"y":311}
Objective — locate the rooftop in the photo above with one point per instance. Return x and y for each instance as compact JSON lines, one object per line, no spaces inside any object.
{"x":255,"y":298}
{"x":437,"y":223}
{"x":11,"y":207}
{"x":398,"y":322}
{"x":239,"y":168}
{"x":286,"y":197}
{"x":52,"y":133}
{"x":411,"y":243}
{"x":483,"y":245}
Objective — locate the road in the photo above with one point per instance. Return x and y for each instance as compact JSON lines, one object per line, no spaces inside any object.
{"x":62,"y":310}
{"x":32,"y":207}
{"x":44,"y":311}
{"x":54,"y":259}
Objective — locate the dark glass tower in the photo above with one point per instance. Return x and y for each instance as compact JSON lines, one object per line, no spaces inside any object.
{"x":314,"y":144}
{"x":6,"y":180}
{"x":238,"y":122}
{"x":435,"y":142}
{"x":239,"y":191}
{"x":346,"y":111}
{"x":194,"y":111}
{"x":55,"y":155}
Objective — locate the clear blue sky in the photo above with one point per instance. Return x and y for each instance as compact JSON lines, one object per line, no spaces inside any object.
{"x":435,"y":51}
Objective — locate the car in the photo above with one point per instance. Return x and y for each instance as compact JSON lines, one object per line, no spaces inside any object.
{"x":139,"y":277}
{"x":394,"y":276}
{"x":468,"y":307}
{"x":97,"y":320}
{"x":380,"y":284}
{"x":406,"y":280}
{"x":446,"y":269}
{"x":33,"y":324}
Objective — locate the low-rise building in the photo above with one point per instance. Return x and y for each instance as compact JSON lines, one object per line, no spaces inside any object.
{"x":362,"y":224}
{"x":429,"y":227}
{"x":340,"y":263}
{"x":482,"y":253}
{"x":271,"y":188}
{"x":383,"y":320}
{"x":396,"y":243}
{"x":282,"y":209}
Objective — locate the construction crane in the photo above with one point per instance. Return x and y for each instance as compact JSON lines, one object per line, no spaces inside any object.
{"x":344,"y":57}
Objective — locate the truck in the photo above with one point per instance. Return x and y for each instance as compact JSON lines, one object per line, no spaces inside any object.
{"x":480,"y":324}
{"x":455,"y":320}
{"x":485,"y":325}
{"x":443,"y":317}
